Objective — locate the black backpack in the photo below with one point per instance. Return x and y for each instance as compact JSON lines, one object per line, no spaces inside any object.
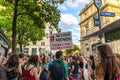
{"x":57,"y":71}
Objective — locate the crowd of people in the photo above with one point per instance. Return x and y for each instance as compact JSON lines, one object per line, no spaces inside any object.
{"x":104,"y":66}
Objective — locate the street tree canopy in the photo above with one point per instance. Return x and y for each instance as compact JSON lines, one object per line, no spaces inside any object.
{"x":75,"y":49}
{"x":24,"y":20}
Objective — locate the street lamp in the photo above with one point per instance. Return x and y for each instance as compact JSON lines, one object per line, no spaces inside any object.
{"x":50,"y":30}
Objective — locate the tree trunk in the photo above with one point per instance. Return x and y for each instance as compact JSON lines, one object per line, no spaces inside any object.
{"x":20,"y":43}
{"x":14,"y":27}
{"x":21,"y":49}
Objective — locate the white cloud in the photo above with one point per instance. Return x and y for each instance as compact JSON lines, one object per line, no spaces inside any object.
{"x":68,"y":20}
{"x":70,"y":23}
{"x":76,"y":34}
{"x":62,"y":7}
{"x":76,"y":3}
{"x":76,"y":37}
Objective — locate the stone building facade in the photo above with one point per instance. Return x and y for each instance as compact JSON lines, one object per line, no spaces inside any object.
{"x":90,"y":33}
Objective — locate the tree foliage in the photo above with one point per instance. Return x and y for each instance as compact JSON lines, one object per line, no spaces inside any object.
{"x":26,"y":32}
{"x":25,"y":20}
{"x":75,"y":48}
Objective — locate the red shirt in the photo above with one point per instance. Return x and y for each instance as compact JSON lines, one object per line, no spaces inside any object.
{"x":27,"y":75}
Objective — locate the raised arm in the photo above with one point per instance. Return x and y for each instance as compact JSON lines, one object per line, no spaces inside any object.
{"x":87,"y":59}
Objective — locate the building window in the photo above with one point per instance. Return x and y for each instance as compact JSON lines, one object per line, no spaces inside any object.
{"x":112,"y":36}
{"x":42,"y":43}
{"x":85,"y":14}
{"x":26,"y":50}
{"x":86,"y":30}
{"x":34,"y":50}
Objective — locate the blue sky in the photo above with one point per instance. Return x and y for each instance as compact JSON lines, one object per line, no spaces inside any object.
{"x":70,"y":18}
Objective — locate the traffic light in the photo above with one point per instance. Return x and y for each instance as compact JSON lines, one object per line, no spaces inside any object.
{"x":96,"y":21}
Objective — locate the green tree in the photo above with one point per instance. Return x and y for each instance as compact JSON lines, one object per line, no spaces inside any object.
{"x":39,"y":12}
{"x":58,"y":30}
{"x":26,"y":32}
{"x":75,"y":48}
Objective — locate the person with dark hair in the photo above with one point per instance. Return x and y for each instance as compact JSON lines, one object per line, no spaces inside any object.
{"x":109,"y":66}
{"x":59,"y":54}
{"x":12,"y":66}
{"x":44,"y":68}
{"x":21,"y":58}
{"x":53,"y":58}
{"x":74,"y":68}
{"x":58,"y":69}
{"x":81,"y":66}
{"x":21,"y":65}
{"x":3,"y":69}
{"x":30,"y":71}
{"x":91,"y":66}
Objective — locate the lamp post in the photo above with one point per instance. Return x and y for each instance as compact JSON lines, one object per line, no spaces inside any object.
{"x":50,"y":30}
{"x":98,"y":4}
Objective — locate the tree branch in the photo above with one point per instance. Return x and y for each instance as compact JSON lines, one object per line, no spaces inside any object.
{"x":22,"y":14}
{"x":25,"y":14}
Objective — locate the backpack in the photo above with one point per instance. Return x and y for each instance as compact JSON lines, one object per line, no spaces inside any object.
{"x":57,"y":71}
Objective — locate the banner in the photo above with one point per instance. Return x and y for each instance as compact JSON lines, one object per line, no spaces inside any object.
{"x":61,"y":41}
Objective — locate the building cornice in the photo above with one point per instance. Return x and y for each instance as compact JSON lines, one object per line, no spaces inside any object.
{"x":86,"y":7}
